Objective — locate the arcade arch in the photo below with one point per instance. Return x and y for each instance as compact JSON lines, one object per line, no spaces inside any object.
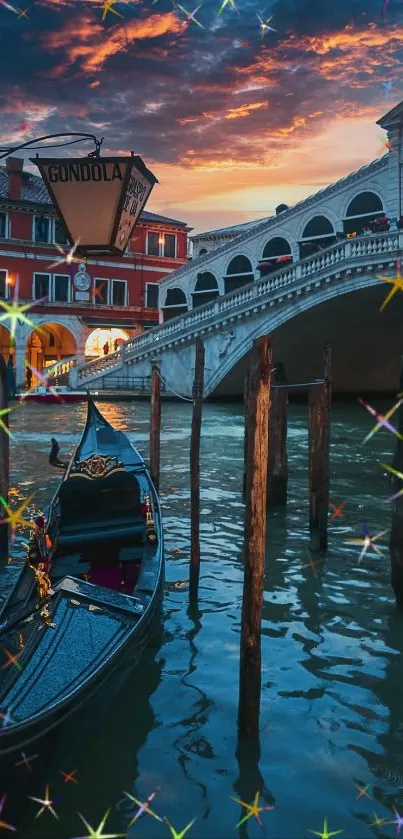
{"x":45,"y":347}
{"x":275,"y":252}
{"x":175,"y":304}
{"x":205,"y":290}
{"x":97,"y":340}
{"x":364,"y":207}
{"x":239,"y":273}
{"x":319,"y":233}
{"x":7,"y":344}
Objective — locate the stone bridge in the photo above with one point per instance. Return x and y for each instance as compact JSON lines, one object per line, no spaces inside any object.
{"x":334,"y":295}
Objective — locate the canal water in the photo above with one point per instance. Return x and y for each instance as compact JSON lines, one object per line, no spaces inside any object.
{"x":331,"y":728}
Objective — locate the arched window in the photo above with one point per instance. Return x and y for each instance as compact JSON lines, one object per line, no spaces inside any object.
{"x":202,"y":251}
{"x":364,"y":207}
{"x":175,"y":304}
{"x":239,"y":273}
{"x":276,"y":247}
{"x":205,"y":290}
{"x":318,"y":234}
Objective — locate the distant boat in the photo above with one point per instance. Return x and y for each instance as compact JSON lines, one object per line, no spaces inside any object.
{"x":52,"y":395}
{"x":89,"y":597}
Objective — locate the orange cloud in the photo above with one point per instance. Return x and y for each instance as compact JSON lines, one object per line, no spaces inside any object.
{"x":245,"y":110}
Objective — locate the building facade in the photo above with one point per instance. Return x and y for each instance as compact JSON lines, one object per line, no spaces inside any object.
{"x":227,"y":260}
{"x":85,"y":307}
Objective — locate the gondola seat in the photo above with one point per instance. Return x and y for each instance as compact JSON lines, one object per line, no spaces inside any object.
{"x":117,"y":527}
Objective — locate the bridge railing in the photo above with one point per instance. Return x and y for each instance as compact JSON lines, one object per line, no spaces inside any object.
{"x":122,"y":383}
{"x":350,"y":249}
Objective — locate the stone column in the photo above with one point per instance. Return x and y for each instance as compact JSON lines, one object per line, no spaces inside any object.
{"x":20,"y":363}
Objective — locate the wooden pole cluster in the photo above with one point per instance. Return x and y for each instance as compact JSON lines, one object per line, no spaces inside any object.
{"x":320,"y":402}
{"x":155,"y":427}
{"x":277,"y":473}
{"x":396,"y":535}
{"x":255,"y":537}
{"x":197,"y":394}
{"x":4,"y":460}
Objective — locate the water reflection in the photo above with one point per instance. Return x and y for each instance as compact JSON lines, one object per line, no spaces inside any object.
{"x":332,"y":690}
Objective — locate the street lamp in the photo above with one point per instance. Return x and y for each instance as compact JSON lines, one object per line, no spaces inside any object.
{"x":99,"y":199}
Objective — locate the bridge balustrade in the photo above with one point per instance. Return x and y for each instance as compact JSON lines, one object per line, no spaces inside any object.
{"x":349,"y":250}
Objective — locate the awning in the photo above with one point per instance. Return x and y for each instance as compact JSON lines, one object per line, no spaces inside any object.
{"x":107,"y":322}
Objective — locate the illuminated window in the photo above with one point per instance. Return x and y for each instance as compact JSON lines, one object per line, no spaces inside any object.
{"x":161,"y":244}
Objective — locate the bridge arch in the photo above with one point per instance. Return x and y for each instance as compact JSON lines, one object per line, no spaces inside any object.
{"x":205,"y":290}
{"x":318,"y":233}
{"x":99,"y":337}
{"x":175,"y":303}
{"x":361,"y":209}
{"x":272,"y":320}
{"x":276,"y":251}
{"x":239,"y":273}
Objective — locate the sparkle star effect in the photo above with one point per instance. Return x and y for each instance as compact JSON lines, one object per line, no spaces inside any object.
{"x":15,"y":518}
{"x":5,"y":825}
{"x":396,"y":282}
{"x":3,"y":426}
{"x":180,"y":835}
{"x":18,"y":12}
{"x":44,"y":379}
{"x":337,"y":514}
{"x":362,"y":791}
{"x":12,"y":659}
{"x":107,"y":6}
{"x":26,"y":761}
{"x":224,"y":4}
{"x":144,"y":807}
{"x":378,"y":822}
{"x":69,"y":776}
{"x":325,"y":834}
{"x":46,"y":802}
{"x":67,"y":256}
{"x":398,"y":821}
{"x":7,"y":718}
{"x":96,"y":833}
{"x":264,"y":26}
{"x":382,"y":420}
{"x":191,"y":15}
{"x":254,"y":810}
{"x":368,"y":542}
{"x":398,"y":475}
{"x":312,"y":562}
{"x":14,"y":312}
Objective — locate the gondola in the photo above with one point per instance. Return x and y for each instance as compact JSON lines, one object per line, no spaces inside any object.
{"x":88,"y":599}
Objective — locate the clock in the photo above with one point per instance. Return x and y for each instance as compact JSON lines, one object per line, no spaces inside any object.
{"x":82,"y":280}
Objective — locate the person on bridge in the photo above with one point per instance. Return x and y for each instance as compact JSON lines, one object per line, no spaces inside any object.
{"x":106,"y":348}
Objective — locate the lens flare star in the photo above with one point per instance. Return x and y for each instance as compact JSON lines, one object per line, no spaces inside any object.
{"x":382,"y":420}
{"x":264,"y":26}
{"x":337,"y":514}
{"x":68,"y":256}
{"x":378,"y":822}
{"x":46,"y":802}
{"x":3,"y":426}
{"x":5,"y":825}
{"x":312,"y":562}
{"x":191,"y":15}
{"x":398,"y":475}
{"x":96,"y":833}
{"x":254,"y":810}
{"x":12,"y":659}
{"x":18,"y":12}
{"x":396,"y":282}
{"x":7,"y":718}
{"x":362,"y":791}
{"x":398,"y":821}
{"x":15,"y":518}
{"x":26,"y":761}
{"x":107,"y":6}
{"x":69,"y":776}
{"x":224,"y":4}
{"x":44,"y":379}
{"x":180,"y":835}
{"x":14,"y":312}
{"x":368,"y":542}
{"x":144,"y":807}
{"x":325,"y":834}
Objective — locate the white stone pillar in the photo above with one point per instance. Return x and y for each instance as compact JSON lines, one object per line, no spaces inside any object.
{"x":20,"y":364}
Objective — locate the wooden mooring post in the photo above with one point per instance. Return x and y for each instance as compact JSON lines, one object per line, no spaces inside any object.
{"x":245,"y":437}
{"x":155,"y":426}
{"x":277,"y":473}
{"x":396,"y":535}
{"x":320,"y":403}
{"x":4,"y":460}
{"x":255,"y":538}
{"x":197,"y":394}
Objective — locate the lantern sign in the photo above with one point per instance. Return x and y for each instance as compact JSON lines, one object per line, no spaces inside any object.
{"x":99,"y":199}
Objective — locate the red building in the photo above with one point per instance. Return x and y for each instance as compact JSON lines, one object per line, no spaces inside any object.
{"x":85,"y":307}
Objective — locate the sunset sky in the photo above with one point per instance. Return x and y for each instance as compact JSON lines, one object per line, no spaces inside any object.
{"x":230,"y":120}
